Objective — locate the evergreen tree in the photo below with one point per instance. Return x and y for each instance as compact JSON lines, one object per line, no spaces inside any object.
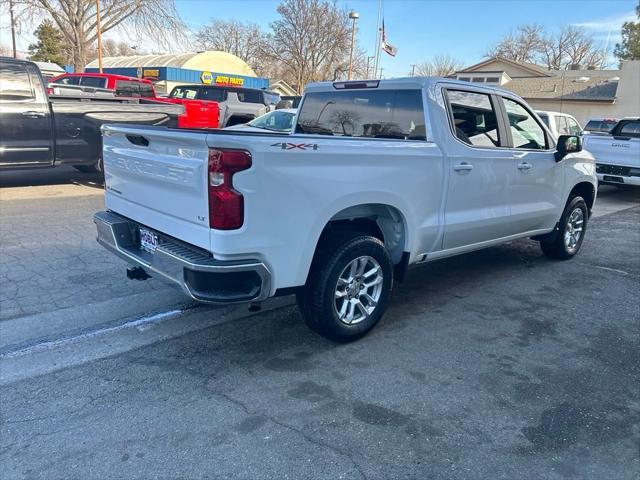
{"x":51,"y":45}
{"x":629,"y":49}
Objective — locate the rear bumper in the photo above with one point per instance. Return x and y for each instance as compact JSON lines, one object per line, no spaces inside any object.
{"x":196,"y":271}
{"x":618,"y":180}
{"x":618,"y":175}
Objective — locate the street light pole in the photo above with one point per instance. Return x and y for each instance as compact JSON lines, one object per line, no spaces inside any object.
{"x":353,"y":16}
{"x":13,"y":29}
{"x":99,"y":36}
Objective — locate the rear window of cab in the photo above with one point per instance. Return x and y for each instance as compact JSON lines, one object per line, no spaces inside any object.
{"x":392,"y":114}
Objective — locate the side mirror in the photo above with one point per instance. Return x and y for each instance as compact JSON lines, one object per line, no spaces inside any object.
{"x":567,"y":144}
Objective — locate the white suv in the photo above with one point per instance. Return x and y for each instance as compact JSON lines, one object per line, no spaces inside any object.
{"x":560,"y":123}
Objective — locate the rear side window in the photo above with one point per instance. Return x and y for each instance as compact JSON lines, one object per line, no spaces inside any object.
{"x":96,"y":82}
{"x":250,"y":96}
{"x":525,"y":130}
{"x":474,"y":118}
{"x":574,"y":126}
{"x":213,"y":94}
{"x":14,"y":83}
{"x":126,"y":88}
{"x":397,"y":114}
{"x":631,"y":129}
{"x":146,"y":90}
{"x":68,"y":81}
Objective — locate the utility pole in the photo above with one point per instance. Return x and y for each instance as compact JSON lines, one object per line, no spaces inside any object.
{"x":353,"y":16}
{"x":13,"y":29}
{"x":413,"y":69}
{"x":381,"y":69}
{"x":99,"y":28}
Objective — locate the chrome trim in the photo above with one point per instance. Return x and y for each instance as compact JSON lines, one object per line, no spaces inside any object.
{"x":171,"y":257}
{"x":24,"y":149}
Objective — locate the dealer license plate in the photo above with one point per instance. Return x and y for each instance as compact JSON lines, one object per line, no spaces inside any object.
{"x":148,"y":240}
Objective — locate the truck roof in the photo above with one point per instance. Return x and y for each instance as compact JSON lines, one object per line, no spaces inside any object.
{"x":403,"y":83}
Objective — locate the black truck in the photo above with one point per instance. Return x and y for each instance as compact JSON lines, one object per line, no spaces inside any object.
{"x":41,"y":130}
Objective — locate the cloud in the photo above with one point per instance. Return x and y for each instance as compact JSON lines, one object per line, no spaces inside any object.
{"x":607,"y":24}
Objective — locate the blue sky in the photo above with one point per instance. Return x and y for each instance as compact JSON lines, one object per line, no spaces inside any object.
{"x":422,"y":29}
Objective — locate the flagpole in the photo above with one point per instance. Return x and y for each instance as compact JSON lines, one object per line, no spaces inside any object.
{"x":378,"y":43}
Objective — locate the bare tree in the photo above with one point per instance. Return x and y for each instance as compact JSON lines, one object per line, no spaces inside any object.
{"x":440,"y":66}
{"x":570,"y":46}
{"x":245,"y":40}
{"x":113,"y":48}
{"x":311,"y":39}
{"x":76,"y":19}
{"x":521,"y":46}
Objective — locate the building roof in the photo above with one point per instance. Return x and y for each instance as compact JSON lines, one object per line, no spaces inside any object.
{"x":536,"y":70}
{"x":49,"y":66}
{"x":212,"y":60}
{"x":576,"y":85}
{"x":556,"y":88}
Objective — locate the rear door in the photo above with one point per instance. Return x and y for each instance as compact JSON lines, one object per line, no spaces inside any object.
{"x":536,"y":179}
{"x":477,"y":202}
{"x":25,"y":121}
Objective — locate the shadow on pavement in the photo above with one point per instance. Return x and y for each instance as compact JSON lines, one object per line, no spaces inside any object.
{"x":49,"y":176}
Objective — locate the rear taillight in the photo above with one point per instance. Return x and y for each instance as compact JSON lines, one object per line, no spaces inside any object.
{"x":226,"y":205}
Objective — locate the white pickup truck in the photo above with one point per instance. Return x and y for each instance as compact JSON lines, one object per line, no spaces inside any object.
{"x":617,"y":154}
{"x":376,"y":177}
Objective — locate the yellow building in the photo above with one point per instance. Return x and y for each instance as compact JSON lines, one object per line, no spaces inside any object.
{"x":167,"y":71}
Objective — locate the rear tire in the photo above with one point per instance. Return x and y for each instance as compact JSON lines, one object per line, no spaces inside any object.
{"x":566,"y":242}
{"x":348,"y":287}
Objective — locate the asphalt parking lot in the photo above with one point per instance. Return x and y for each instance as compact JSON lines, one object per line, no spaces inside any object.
{"x":496,"y":364}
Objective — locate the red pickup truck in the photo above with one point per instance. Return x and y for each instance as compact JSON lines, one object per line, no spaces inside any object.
{"x":196,"y":114}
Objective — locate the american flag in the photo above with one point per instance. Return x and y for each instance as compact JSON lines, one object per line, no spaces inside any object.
{"x":387,"y":47}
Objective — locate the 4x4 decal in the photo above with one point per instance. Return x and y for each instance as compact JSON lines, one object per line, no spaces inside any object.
{"x":292,"y":146}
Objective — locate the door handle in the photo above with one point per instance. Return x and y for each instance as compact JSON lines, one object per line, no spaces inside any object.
{"x":525,"y":166}
{"x":463,"y":167}
{"x":33,"y":114}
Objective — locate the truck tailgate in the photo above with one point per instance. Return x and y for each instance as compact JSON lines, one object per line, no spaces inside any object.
{"x":609,"y":150}
{"x":158,"y":177}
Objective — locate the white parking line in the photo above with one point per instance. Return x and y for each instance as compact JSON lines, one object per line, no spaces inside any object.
{"x":141,"y":324}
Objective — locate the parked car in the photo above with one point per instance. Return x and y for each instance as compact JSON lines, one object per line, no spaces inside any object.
{"x":279,"y":121}
{"x":122,"y":85}
{"x":599,"y":126}
{"x":235,"y":105}
{"x":560,"y":123}
{"x":378,"y":176}
{"x":618,"y":154}
{"x":45,"y":131}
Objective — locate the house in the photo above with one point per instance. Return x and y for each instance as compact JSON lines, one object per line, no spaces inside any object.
{"x":583,"y":93}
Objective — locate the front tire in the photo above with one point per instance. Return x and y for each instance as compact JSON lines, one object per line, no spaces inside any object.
{"x":567,"y":241}
{"x":348,"y":288}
